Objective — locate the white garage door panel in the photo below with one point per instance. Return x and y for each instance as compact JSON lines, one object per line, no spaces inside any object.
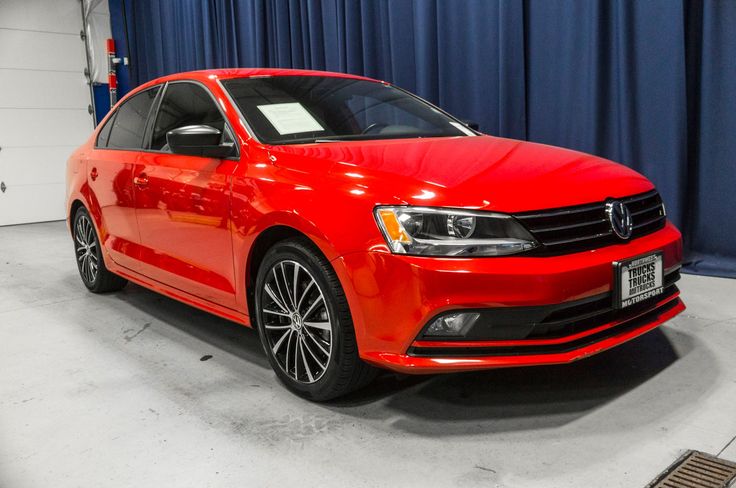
{"x":31,"y":127}
{"x":36,"y":89}
{"x":34,"y":165}
{"x":34,"y":203}
{"x":41,"y":51}
{"x":44,"y":15}
{"x":43,"y":105}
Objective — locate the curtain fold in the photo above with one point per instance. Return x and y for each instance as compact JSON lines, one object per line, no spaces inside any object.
{"x":648,"y":84}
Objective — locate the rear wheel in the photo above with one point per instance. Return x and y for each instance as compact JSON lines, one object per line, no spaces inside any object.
{"x":305,"y":323}
{"x":92,"y":270}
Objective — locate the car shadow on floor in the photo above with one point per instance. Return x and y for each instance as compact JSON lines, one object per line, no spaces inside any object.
{"x":235,"y":339}
{"x":510,"y":399}
{"x":538,"y":397}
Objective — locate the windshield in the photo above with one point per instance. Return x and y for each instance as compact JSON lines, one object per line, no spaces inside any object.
{"x":302,"y":109}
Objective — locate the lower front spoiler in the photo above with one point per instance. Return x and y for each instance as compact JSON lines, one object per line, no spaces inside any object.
{"x":478,"y":358}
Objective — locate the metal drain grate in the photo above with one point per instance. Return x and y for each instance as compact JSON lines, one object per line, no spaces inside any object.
{"x":697,"y":470}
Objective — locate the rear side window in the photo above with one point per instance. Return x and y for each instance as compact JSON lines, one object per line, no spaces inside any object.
{"x":104,"y":134}
{"x":184,"y":104}
{"x":129,"y":124}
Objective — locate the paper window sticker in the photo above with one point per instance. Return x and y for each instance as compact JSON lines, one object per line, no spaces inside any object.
{"x":290,"y":118}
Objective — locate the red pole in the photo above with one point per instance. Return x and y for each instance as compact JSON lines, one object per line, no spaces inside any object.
{"x":112,"y":77}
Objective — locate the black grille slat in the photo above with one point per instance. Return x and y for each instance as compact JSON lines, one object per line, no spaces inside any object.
{"x":585,"y":227}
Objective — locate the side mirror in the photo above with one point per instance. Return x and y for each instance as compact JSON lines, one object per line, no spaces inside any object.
{"x":471,"y":124}
{"x":199,"y":140}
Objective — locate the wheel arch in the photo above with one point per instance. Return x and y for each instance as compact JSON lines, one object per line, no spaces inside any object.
{"x":75,"y":205}
{"x":265,"y":240}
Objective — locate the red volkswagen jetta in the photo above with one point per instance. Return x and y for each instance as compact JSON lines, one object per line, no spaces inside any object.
{"x":356,"y":225}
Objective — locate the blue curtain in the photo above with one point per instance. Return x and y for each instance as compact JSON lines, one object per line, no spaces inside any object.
{"x":649,"y":84}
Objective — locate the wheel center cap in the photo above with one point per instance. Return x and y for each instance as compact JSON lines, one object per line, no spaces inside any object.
{"x":296,"y":321}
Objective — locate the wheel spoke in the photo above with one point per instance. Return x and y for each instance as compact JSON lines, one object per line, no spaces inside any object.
{"x":286,"y":285}
{"x":313,"y":305}
{"x":304,"y":360}
{"x":296,"y":284}
{"x":316,"y":342}
{"x":278,"y":287}
{"x":304,"y":294}
{"x":275,"y":300}
{"x":319,"y":325}
{"x":274,"y":312}
{"x":311,"y":353}
{"x":277,"y":327}
{"x":288,"y":349}
{"x":278,"y":344}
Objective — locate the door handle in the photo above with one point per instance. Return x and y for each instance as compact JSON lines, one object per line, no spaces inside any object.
{"x":141,"y":181}
{"x":93,"y":174}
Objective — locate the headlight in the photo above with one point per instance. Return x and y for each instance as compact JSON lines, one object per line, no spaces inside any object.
{"x":449,"y":232}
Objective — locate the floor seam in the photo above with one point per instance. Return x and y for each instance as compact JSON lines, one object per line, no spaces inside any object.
{"x":41,"y":305}
{"x":726,"y":446}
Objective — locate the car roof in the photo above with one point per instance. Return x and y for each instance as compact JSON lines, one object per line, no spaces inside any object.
{"x":227,"y":73}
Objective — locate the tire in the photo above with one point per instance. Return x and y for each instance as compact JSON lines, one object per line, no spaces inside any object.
{"x":90,"y":263}
{"x":305,"y":324}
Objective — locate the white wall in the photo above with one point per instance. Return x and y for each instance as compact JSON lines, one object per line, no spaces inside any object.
{"x":43,"y":105}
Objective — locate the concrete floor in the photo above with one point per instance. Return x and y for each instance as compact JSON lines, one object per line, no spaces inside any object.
{"x":100,"y":391}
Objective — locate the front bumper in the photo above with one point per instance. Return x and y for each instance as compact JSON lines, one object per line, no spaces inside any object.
{"x":392,"y":297}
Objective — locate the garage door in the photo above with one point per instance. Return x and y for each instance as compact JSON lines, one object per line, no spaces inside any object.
{"x":43,"y":105}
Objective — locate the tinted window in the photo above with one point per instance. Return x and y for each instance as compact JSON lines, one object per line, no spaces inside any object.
{"x":130,"y":122}
{"x":104,"y":134}
{"x":294,"y":109}
{"x":184,"y":104}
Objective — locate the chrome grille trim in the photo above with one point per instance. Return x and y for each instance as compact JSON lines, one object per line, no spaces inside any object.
{"x":585,"y":227}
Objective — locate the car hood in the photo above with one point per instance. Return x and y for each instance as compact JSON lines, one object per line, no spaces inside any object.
{"x":484,"y":172}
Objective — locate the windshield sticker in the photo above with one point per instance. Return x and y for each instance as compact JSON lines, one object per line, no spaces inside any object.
{"x":290,"y":118}
{"x":462,"y":128}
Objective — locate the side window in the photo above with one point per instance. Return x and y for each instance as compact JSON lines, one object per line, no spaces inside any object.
{"x":129,"y":124}
{"x":104,"y":134}
{"x":184,"y":104}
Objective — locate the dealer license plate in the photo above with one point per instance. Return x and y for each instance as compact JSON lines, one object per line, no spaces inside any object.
{"x":637,"y":279}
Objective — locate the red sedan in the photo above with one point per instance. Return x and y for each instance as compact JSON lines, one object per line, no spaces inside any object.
{"x":356,"y":225}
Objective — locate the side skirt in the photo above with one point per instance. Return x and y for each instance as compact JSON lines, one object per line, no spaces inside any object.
{"x":181,"y":296}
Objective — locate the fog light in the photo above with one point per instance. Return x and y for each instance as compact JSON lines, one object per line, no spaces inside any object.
{"x":454,"y":324}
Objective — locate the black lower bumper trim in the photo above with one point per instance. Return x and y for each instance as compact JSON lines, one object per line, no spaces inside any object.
{"x":626,"y":326}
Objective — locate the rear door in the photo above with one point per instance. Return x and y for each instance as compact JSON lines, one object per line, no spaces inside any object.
{"x":183,"y":202}
{"x":110,"y":176}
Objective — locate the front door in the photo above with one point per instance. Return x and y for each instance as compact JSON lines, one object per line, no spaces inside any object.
{"x":183,"y":203}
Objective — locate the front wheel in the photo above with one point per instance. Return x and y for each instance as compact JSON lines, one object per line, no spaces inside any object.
{"x":305,"y":323}
{"x":92,"y":270}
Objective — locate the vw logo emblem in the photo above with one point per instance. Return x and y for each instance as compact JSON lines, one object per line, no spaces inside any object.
{"x":620,"y":219}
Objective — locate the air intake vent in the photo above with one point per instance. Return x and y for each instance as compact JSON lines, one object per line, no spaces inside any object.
{"x":585,"y":227}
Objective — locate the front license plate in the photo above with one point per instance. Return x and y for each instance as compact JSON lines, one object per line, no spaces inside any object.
{"x":637,"y":279}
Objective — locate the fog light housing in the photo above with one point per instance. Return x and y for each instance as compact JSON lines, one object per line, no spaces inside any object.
{"x":452,"y":325}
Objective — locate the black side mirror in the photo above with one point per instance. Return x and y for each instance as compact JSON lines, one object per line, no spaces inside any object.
{"x":199,"y":140}
{"x":471,"y":124}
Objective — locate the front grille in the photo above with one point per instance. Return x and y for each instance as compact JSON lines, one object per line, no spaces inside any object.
{"x":584,"y":227}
